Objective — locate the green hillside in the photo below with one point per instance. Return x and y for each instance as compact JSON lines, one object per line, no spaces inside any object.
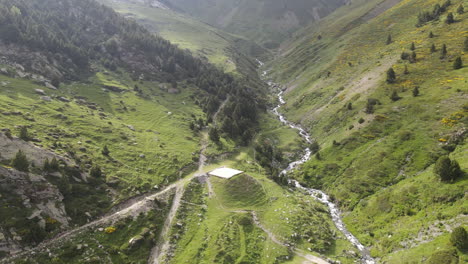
{"x":113,"y":113}
{"x":229,"y":52}
{"x":376,"y":131}
{"x":266,"y":22}
{"x":117,"y":110}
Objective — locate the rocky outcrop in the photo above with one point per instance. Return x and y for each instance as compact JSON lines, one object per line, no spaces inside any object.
{"x":36,"y":197}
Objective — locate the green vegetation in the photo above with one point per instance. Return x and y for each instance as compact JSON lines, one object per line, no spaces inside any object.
{"x":399,"y":129}
{"x":265,"y":23}
{"x":20,"y":162}
{"x":459,"y":238}
{"x":229,"y":52}
{"x":447,"y":170}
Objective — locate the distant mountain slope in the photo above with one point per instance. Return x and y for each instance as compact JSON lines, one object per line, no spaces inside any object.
{"x":229,"y":52}
{"x":266,"y":22}
{"x":385,"y":100}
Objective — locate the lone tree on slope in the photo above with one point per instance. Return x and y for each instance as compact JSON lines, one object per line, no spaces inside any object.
{"x":446,"y":169}
{"x":443,"y":52}
{"x":459,"y":238}
{"x":450,"y":18}
{"x":389,"y":40}
{"x":105,"y":151}
{"x":20,"y":162}
{"x":458,"y":63}
{"x":391,"y":76}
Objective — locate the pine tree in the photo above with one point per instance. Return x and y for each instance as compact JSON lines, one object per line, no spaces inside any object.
{"x":433,"y":48}
{"x":96,"y":171}
{"x":46,"y":165}
{"x":404,"y":55}
{"x":8,"y":134}
{"x":412,"y":47}
{"x":54,"y":164}
{"x":458,"y":63}
{"x":442,"y":168}
{"x":105,"y":151}
{"x":450,"y":19}
{"x":369,"y":108}
{"x":443,"y":52}
{"x":406,"y":70}
{"x":391,"y":76}
{"x":394,"y":96}
{"x":465,"y":48}
{"x":413,"y":57}
{"x":20,"y":162}
{"x":389,"y":39}
{"x":459,"y":238}
{"x":24,"y":134}
{"x":460,"y":9}
{"x":431,"y":35}
{"x":447,"y":170}
{"x":214,"y":135}
{"x":416,"y":91}
{"x":350,"y":106}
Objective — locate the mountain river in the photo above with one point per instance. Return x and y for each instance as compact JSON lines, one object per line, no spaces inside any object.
{"x":317,"y":194}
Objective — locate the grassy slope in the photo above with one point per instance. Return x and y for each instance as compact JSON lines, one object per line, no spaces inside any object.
{"x":160,"y":121}
{"x":401,"y":139}
{"x":219,"y":228}
{"x":225,"y":50}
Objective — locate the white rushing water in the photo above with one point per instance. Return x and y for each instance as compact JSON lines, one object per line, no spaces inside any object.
{"x":317,"y":194}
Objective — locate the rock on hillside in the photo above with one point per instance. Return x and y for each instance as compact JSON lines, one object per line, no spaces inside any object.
{"x":38,"y":204}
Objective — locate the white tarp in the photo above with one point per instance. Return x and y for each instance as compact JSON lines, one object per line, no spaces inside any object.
{"x":225,"y":173}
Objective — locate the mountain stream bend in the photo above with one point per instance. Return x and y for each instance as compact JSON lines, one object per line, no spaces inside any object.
{"x":317,"y":194}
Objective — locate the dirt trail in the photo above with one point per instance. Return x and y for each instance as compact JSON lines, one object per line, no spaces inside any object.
{"x":221,"y":107}
{"x":310,"y":258}
{"x":132,"y":210}
{"x":162,"y":246}
{"x":163,"y":241}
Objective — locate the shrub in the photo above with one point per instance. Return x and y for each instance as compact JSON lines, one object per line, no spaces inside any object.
{"x":95,"y":171}
{"x":459,"y":238}
{"x":447,"y":169}
{"x":110,"y":230}
{"x":450,"y":19}
{"x":105,"y":151}
{"x":361,"y":120}
{"x":8,"y":134}
{"x":458,"y":64}
{"x":20,"y":162}
{"x":443,"y":256}
{"x":394,"y":96}
{"x":24,"y":134}
{"x":405,"y":55}
{"x":415,"y":91}
{"x":389,"y":40}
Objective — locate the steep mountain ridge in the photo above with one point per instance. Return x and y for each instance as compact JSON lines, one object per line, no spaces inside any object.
{"x":384,"y":106}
